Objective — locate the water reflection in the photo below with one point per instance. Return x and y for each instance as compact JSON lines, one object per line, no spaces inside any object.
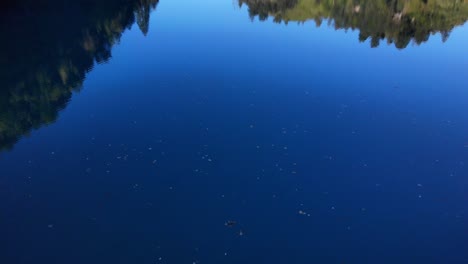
{"x":396,"y":21}
{"x":52,"y":46}
{"x":50,"y":49}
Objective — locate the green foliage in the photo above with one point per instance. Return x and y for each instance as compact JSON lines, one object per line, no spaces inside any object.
{"x":396,"y":21}
{"x":50,"y":49}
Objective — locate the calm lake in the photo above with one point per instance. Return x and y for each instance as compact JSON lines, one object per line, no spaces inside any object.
{"x":233,"y":131}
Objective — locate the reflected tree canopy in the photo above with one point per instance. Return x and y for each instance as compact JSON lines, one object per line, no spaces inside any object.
{"x":393,"y":21}
{"x":49,"y":47}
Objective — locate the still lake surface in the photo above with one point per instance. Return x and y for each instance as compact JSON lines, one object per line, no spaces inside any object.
{"x":234,"y":132}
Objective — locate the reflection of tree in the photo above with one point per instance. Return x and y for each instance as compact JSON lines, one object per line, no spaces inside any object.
{"x":396,"y":21}
{"x":143,"y":14}
{"x":263,"y":9}
{"x":50,"y":49}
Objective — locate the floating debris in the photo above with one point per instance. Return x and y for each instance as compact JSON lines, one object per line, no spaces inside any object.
{"x":303,"y":213}
{"x":230,"y":223}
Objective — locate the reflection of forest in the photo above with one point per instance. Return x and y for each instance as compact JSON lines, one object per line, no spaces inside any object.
{"x":396,"y":21}
{"x":50,"y":48}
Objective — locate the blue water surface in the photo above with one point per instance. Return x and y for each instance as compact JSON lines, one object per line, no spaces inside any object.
{"x":218,"y":139}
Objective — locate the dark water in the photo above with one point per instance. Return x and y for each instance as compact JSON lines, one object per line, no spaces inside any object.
{"x":298,"y":131}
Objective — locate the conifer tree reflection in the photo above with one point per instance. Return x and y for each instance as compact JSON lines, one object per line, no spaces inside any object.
{"x":397,"y":21}
{"x":50,"y":49}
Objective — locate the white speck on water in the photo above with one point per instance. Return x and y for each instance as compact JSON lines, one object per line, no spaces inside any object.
{"x":50,"y":226}
{"x":419,"y":185}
